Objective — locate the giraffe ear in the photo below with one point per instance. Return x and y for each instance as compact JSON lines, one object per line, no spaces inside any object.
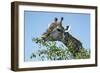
{"x":67,"y":29}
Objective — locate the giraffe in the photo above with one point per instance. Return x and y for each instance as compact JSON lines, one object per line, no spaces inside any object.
{"x":56,"y":32}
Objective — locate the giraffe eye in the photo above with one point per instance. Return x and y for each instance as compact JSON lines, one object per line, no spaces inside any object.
{"x":59,"y":30}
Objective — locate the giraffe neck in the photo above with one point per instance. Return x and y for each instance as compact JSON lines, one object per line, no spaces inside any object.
{"x":72,"y":43}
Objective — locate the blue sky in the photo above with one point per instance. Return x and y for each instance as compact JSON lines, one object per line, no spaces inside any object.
{"x":37,"y":22}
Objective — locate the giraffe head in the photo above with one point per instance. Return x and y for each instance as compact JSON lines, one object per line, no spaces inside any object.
{"x":55,"y":32}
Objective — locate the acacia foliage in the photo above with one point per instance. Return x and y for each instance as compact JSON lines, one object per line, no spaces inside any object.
{"x":50,"y":51}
